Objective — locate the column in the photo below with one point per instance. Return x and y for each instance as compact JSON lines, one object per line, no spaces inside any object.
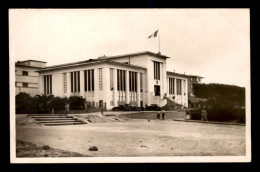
{"x":115,"y":88}
{"x":175,"y":88}
{"x":68,"y":84}
{"x":82,"y":81}
{"x":138,"y":89}
{"x":106,"y":86}
{"x":41,"y":84}
{"x":127,"y":87}
{"x":96,"y":86}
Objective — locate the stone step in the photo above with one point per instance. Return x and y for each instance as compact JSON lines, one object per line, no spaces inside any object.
{"x":51,"y":119}
{"x":42,"y":117}
{"x":64,"y":123}
{"x":60,"y":121}
{"x":56,"y":119}
{"x":47,"y":115}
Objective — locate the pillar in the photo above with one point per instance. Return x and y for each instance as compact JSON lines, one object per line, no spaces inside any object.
{"x":115,"y":88}
{"x":138,"y":89}
{"x":82,"y":89}
{"x":106,"y":86}
{"x":127,"y":88}
{"x":68,"y":84}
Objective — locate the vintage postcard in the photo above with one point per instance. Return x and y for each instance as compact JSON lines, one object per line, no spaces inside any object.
{"x":129,"y":85}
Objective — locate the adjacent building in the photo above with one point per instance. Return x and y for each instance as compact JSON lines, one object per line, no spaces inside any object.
{"x":193,"y":79}
{"x":27,"y":77}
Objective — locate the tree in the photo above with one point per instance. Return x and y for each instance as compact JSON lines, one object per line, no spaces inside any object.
{"x":221,"y":94}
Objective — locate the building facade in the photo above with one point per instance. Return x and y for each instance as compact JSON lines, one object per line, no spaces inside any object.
{"x":138,"y":79}
{"x":27,"y":77}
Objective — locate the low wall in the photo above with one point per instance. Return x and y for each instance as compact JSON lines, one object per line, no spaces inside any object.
{"x":153,"y":115}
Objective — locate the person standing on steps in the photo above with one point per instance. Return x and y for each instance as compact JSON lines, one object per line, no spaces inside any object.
{"x":163,"y":114}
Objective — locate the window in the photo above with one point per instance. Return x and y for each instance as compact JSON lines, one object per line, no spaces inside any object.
{"x":75,"y":81}
{"x":132,"y":81}
{"x":100,"y":79}
{"x":47,"y":84}
{"x":111,"y":79}
{"x":121,"y":80}
{"x":141,"y":82}
{"x":89,"y":80}
{"x":25,"y":73}
{"x":191,"y":86}
{"x":184,"y":87}
{"x":171,"y":85}
{"x":157,"y":90}
{"x":156,"y":67}
{"x":25,"y":84}
{"x":65,"y":82}
{"x":179,"y":91}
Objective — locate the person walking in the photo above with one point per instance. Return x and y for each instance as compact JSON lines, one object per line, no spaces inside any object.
{"x":188,"y":114}
{"x":163,"y":114}
{"x":158,"y":115}
{"x":204,"y":115}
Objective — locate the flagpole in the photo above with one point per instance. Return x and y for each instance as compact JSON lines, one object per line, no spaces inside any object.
{"x":159,"y":42}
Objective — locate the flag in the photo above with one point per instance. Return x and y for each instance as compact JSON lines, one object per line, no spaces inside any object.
{"x":153,"y":35}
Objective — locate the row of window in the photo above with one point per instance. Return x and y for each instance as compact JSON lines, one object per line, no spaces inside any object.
{"x":171,"y":85}
{"x":132,"y":81}
{"x":75,"y":81}
{"x":24,"y":73}
{"x":156,"y":69}
{"x":24,"y":84}
{"x":121,"y":80}
{"x":89,"y":81}
{"x":178,"y":85}
{"x":47,"y":84}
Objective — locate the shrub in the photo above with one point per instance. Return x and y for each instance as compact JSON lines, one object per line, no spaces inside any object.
{"x":76,"y":103}
{"x":221,"y":114}
{"x":58,"y":103}
{"x":22,"y":101}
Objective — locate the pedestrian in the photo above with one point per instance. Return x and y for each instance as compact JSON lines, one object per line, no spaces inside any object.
{"x":204,"y":115}
{"x":188,"y":114}
{"x":163,"y":114}
{"x":158,"y":115}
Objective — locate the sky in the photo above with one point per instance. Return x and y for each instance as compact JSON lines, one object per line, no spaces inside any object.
{"x":212,"y":43}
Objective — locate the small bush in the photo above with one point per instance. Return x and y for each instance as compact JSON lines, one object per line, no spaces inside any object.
{"x":22,"y":102}
{"x":77,"y":103}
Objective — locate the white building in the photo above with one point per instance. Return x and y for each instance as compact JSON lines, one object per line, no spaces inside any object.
{"x":26,"y":77}
{"x":138,"y":79}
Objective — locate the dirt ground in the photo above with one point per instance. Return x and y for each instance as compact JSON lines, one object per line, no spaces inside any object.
{"x":137,"y":137}
{"x":28,"y":149}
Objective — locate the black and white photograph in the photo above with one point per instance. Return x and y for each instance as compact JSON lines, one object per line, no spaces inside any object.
{"x":129,"y":85}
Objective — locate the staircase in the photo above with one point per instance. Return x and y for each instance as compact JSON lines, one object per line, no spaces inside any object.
{"x":172,"y":105}
{"x":55,"y":119}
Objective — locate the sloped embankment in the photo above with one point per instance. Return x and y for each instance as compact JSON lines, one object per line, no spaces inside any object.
{"x":98,"y":118}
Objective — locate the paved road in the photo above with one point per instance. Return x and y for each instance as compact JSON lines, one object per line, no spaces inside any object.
{"x":140,"y":138}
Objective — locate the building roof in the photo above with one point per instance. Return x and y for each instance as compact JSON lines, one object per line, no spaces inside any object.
{"x":185,"y":75}
{"x":135,"y":54}
{"x":179,"y":74}
{"x":91,"y":61}
{"x":22,"y":65}
{"x":107,"y":59}
{"x":196,"y":76}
